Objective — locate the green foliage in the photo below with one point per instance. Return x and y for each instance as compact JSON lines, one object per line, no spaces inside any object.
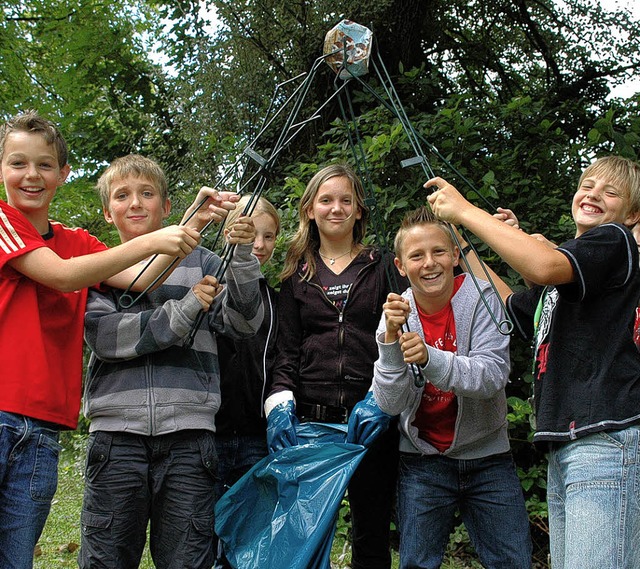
{"x":84,"y":64}
{"x":511,"y":101}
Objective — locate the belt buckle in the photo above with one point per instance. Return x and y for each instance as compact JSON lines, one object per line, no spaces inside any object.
{"x":330,"y":414}
{"x":319,"y":411}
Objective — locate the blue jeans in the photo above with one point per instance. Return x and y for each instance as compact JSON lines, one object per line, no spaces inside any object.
{"x":29,"y":452}
{"x":131,"y":480}
{"x":486,"y":492}
{"x":593,"y":492}
{"x":236,"y":455}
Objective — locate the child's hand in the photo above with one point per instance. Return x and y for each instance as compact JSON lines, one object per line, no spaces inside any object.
{"x":414,"y":349}
{"x":174,"y":240}
{"x":507,"y":216}
{"x":206,"y":290}
{"x":636,"y":234}
{"x":242,"y":232}
{"x":396,"y":310}
{"x":216,"y":207}
{"x":447,"y":203}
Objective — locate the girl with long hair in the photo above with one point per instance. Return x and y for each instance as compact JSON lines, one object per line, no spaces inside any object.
{"x":330,"y":303}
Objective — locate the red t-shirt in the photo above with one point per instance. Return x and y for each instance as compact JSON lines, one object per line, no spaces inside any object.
{"x":436,"y":416}
{"x":40,"y":328}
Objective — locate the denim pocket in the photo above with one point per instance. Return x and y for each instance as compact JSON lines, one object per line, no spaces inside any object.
{"x":620,"y":439}
{"x":45,"y":470}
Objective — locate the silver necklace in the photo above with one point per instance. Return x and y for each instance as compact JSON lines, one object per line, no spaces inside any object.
{"x":332,"y":260}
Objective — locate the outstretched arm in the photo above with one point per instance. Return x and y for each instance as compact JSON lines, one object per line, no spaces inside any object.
{"x":116,"y":267}
{"x":534,"y":260}
{"x":114,"y":335}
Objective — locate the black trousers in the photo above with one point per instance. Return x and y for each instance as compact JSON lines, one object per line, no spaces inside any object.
{"x":131,"y":480}
{"x":371,"y":497}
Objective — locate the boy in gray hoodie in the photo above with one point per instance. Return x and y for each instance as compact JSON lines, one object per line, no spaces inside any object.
{"x":455,"y":452}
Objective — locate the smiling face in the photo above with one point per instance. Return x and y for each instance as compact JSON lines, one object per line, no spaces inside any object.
{"x":31,"y":175}
{"x":599,"y":200}
{"x":334,"y":210}
{"x":427,"y":259}
{"x":136,"y":207}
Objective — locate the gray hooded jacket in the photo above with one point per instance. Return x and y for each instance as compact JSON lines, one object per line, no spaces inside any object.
{"x":477,"y":374}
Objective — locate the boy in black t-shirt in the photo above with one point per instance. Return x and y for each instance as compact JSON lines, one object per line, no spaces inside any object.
{"x":587,"y":368}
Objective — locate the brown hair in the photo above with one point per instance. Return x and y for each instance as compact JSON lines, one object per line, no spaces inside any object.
{"x":30,"y":121}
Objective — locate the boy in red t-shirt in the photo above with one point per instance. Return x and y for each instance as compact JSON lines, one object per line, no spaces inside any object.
{"x":45,"y":269}
{"x":454,"y":445}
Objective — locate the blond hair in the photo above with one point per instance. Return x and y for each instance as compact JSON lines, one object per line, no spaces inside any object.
{"x":263,"y":205}
{"x":31,"y":122}
{"x":623,"y":172}
{"x":132,"y":165}
{"x":420,"y":216}
{"x":306,"y":241}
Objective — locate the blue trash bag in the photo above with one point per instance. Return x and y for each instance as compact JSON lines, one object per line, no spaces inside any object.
{"x":283,"y":512}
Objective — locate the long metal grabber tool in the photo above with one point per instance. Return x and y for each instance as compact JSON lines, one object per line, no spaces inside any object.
{"x":504,"y":325}
{"x":355,"y":143}
{"x":127,"y":300}
{"x":393,"y":104}
{"x":290,"y":129}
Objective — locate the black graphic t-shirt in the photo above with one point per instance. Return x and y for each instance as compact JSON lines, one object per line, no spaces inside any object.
{"x":337,"y":287}
{"x":587,"y":368}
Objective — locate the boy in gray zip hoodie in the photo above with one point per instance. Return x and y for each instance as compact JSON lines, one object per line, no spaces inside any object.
{"x":151,"y":396}
{"x":454,"y":446}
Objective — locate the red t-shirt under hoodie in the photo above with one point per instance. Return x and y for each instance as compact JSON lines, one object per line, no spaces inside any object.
{"x":436,"y":417}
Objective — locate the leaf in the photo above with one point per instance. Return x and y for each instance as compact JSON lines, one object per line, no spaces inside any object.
{"x":70,"y":547}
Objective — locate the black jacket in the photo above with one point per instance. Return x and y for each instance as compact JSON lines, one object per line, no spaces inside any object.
{"x":245,"y":372}
{"x":325,"y":356}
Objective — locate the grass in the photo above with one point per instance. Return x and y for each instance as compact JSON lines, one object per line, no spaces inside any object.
{"x":60,"y":540}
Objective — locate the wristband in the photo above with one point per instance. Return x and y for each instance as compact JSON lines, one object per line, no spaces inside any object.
{"x":465,"y":250}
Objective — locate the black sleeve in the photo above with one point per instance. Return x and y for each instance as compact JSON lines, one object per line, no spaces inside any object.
{"x":603,"y":258}
{"x":521,"y":307}
{"x":289,"y":340}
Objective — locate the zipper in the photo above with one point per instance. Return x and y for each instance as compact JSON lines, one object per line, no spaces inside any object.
{"x":264,"y":353}
{"x":341,"y":333}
